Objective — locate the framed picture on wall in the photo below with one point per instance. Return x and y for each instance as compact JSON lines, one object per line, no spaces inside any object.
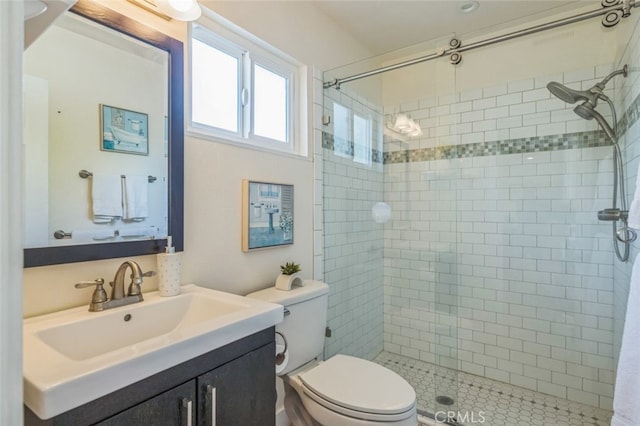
{"x":122,"y":130}
{"x":267,"y":215}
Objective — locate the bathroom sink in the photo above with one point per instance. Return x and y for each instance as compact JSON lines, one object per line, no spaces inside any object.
{"x":75,"y":356}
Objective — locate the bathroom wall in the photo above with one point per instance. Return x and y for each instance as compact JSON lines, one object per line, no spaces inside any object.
{"x":213,"y":171}
{"x":300,"y":30}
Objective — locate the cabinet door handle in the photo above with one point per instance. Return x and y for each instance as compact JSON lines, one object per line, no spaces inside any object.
{"x":187,"y":404}
{"x":211,"y":393}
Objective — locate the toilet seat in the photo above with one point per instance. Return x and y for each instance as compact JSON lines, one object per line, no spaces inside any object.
{"x":360,"y":389}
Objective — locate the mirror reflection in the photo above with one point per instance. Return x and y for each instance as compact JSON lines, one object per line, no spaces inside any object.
{"x":96,"y":137}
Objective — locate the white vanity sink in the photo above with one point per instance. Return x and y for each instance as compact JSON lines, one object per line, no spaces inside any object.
{"x":75,"y":356}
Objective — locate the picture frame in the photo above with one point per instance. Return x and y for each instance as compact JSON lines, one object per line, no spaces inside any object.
{"x":267,"y":215}
{"x":123,"y":130}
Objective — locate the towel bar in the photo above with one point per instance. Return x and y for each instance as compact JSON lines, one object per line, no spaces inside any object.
{"x":84,"y":174}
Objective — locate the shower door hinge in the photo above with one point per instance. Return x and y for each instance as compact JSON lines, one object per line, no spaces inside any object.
{"x":327,"y":332}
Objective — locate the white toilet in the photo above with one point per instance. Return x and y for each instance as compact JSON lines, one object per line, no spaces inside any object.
{"x":343,"y":390}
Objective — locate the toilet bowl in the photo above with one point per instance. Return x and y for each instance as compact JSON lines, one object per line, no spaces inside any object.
{"x":350,"y":391}
{"x":341,"y":391}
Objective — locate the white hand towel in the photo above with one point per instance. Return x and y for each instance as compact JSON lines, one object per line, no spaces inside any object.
{"x":627,"y":394}
{"x":106,"y":193}
{"x":136,"y":197}
{"x":634,"y":210}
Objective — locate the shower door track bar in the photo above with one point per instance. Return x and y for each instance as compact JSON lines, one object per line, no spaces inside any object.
{"x":620,"y":9}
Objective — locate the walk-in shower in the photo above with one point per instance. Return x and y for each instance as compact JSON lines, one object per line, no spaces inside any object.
{"x":493,"y":288}
{"x":586,"y":110}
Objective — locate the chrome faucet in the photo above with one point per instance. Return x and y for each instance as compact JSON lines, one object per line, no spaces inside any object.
{"x":99,"y":300}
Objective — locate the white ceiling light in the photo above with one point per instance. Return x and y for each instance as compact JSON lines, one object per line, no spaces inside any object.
{"x":182,"y":10}
{"x":469,"y":6}
{"x":33,"y":8}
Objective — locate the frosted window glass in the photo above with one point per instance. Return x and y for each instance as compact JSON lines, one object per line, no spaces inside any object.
{"x":341,"y":130}
{"x":361,"y":139}
{"x":214,"y":97}
{"x":269,"y":104}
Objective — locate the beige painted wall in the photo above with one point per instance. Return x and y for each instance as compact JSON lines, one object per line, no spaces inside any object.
{"x":214,"y":171}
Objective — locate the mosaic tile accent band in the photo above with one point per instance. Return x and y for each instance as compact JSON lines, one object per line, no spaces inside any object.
{"x":346,"y":148}
{"x":502,"y":147}
{"x":508,"y":146}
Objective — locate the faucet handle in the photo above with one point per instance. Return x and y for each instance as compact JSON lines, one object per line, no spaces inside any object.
{"x":98,"y":282}
{"x":134,"y":287}
{"x":99,"y":295}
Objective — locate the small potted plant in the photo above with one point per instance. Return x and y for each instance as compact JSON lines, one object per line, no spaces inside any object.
{"x":288,"y":276}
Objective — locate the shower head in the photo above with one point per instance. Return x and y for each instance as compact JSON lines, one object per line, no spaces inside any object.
{"x":585,"y":110}
{"x":570,"y":96}
{"x":588,"y":112}
{"x":592,"y":95}
{"x":589,"y":100}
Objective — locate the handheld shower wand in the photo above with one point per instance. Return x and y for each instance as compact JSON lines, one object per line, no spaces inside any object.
{"x":586,"y":110}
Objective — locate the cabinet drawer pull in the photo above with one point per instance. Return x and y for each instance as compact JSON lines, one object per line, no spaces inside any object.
{"x":187,"y":404}
{"x":211,"y":392}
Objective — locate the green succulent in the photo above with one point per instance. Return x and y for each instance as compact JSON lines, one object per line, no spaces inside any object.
{"x":290,"y":268}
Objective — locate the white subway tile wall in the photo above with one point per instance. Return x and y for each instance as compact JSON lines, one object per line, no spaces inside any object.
{"x":496,"y":265}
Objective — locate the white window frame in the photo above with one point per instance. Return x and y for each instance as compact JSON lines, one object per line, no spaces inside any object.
{"x":237,"y":52}
{"x":286,"y":73}
{"x":222,"y":35}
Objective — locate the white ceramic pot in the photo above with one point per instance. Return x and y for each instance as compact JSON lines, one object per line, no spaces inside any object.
{"x":285,"y":282}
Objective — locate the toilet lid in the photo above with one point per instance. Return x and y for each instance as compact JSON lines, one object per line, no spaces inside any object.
{"x":360,"y":385}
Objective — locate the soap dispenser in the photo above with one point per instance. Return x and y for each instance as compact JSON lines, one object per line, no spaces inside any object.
{"x":169,"y":270}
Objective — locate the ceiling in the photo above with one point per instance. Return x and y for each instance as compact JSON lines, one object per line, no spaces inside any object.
{"x":387,"y":25}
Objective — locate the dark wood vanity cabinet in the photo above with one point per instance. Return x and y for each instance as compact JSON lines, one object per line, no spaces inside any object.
{"x":171,"y":408}
{"x":231,"y":395}
{"x":235,"y":385}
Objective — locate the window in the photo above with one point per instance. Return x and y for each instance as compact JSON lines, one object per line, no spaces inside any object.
{"x":352,"y":134}
{"x":241,"y":91}
{"x":220,"y":111}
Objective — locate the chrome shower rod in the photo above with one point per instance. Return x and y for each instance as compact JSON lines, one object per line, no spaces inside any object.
{"x":613,"y":10}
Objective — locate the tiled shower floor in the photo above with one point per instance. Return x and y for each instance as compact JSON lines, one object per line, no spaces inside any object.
{"x":497,"y":403}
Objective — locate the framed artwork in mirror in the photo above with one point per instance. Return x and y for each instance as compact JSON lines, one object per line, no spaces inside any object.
{"x":267,"y":215}
{"x":122,"y":130}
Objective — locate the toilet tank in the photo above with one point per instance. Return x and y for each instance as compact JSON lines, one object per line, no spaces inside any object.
{"x":304,"y":325}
